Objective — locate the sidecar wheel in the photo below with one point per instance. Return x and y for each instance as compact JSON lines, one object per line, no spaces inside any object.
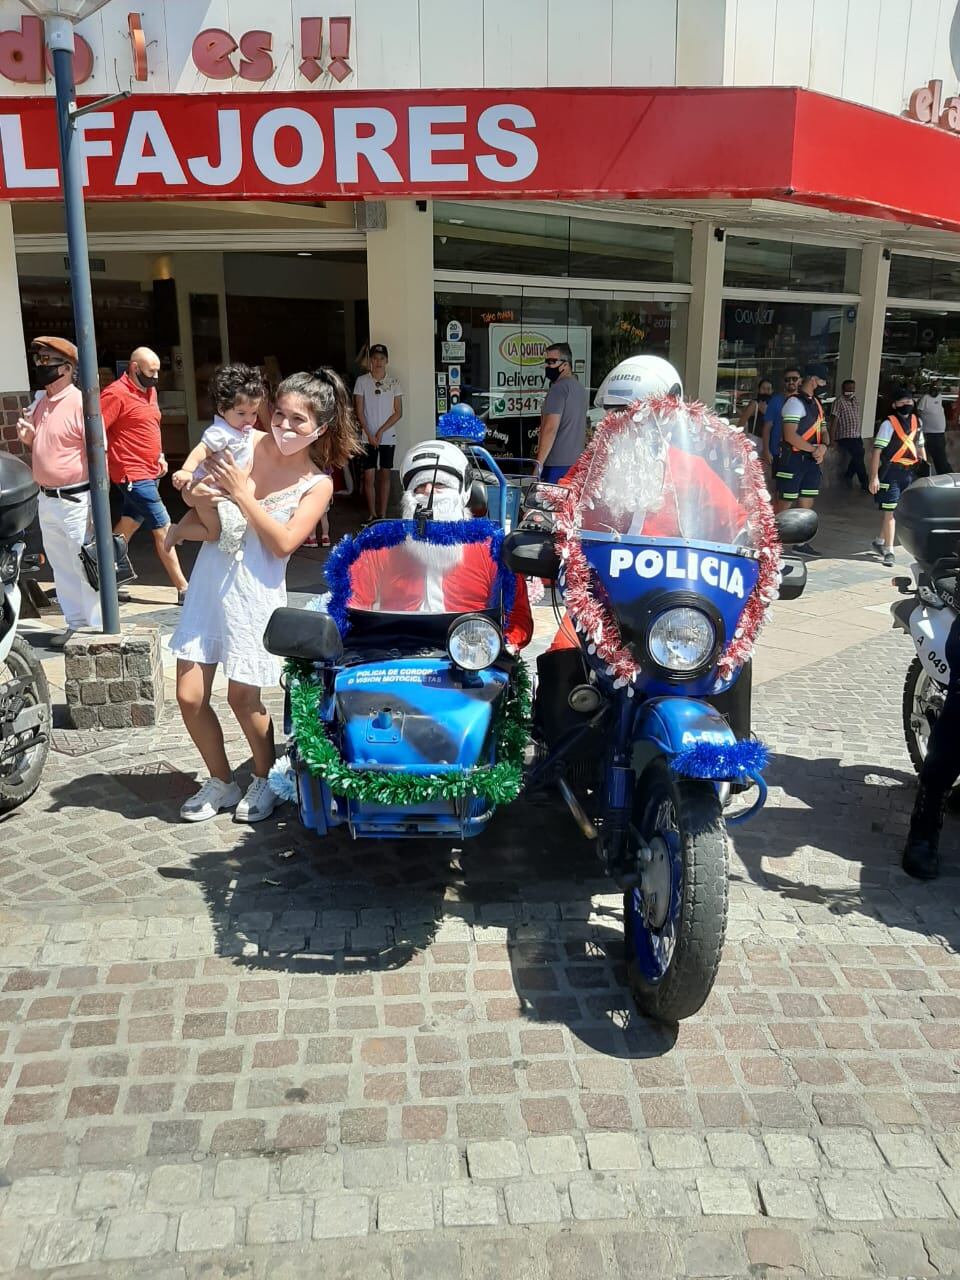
{"x":674,"y":923}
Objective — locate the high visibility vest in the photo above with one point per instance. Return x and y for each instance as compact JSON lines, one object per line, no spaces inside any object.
{"x":813,"y":432}
{"x":903,"y":450}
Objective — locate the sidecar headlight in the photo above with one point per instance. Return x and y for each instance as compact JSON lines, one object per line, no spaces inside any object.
{"x":474,"y":642}
{"x":681,"y":639}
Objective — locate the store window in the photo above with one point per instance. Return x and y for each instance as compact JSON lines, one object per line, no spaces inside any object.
{"x":470,"y":237}
{"x":498,"y":369}
{"x":920,"y":348}
{"x":782,"y":264}
{"x":762,"y":339}
{"x":933,"y":278}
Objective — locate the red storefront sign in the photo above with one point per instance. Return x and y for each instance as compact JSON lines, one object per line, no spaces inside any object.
{"x":589,"y":143}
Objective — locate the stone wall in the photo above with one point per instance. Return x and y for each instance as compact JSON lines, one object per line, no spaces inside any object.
{"x":114,"y":682}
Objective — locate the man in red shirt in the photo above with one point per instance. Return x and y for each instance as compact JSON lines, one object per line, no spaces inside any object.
{"x":131,"y":416}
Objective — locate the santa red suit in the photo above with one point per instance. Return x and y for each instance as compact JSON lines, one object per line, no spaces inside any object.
{"x":421,"y":578}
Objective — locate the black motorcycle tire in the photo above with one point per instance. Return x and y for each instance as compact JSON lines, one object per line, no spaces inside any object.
{"x":702,"y":923}
{"x":20,"y":779}
{"x":915,"y":673}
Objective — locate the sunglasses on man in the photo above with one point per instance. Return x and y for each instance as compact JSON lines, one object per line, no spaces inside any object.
{"x":552,"y":363}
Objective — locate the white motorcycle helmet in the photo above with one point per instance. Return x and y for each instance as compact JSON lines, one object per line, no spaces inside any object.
{"x":635,"y":379}
{"x":438,"y":462}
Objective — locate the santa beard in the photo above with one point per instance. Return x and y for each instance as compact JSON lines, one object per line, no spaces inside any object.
{"x":447,"y":506}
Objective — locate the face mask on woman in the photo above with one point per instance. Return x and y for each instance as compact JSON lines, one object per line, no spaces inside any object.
{"x":289,"y":441}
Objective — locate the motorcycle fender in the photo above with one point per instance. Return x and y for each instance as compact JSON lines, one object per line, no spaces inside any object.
{"x":9,"y":617}
{"x":929,"y":629}
{"x":672,"y":725}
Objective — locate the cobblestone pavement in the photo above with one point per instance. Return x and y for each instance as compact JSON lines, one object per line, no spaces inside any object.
{"x":237,"y":1052}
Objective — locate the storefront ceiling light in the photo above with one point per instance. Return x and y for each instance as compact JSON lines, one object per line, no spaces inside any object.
{"x":72,"y":10}
{"x":456,"y":222}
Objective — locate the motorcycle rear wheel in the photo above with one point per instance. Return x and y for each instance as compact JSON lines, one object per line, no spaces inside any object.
{"x":672,"y":963}
{"x":922,"y":698}
{"x":20,"y":774}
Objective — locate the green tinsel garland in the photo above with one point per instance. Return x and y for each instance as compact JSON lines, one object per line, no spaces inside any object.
{"x":497,"y":783}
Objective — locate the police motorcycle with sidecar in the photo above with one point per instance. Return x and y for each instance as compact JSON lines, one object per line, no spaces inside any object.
{"x":25,"y":717}
{"x":408,"y":706}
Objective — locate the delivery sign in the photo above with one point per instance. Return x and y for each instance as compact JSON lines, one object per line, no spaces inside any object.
{"x":517,"y":382}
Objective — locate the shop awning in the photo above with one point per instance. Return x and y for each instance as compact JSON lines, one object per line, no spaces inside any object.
{"x":673,"y":143}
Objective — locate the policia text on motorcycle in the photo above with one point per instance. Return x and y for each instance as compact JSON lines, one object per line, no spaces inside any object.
{"x":898,"y":448}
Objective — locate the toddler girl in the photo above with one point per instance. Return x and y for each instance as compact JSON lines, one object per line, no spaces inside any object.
{"x":236,"y":391}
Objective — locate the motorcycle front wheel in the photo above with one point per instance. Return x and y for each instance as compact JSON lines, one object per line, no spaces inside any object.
{"x":922,"y":703}
{"x":674,"y":922}
{"x":23,"y":686}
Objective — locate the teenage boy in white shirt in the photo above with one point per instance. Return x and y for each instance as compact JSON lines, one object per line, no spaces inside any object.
{"x":378,"y":401}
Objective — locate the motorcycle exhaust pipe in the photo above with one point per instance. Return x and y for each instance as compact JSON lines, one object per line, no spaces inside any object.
{"x":576,"y":808}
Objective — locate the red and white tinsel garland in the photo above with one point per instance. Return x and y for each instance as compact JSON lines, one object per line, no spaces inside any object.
{"x":592,"y":619}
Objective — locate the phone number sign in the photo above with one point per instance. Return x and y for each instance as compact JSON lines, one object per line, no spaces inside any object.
{"x":517,"y":381}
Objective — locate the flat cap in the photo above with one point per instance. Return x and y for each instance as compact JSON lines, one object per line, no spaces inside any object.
{"x":61,"y":345}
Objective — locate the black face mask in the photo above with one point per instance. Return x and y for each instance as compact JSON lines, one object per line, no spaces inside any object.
{"x":904,"y":410}
{"x":44,"y":374}
{"x":552,"y":372}
{"x":763,"y":401}
{"x":146,"y":382}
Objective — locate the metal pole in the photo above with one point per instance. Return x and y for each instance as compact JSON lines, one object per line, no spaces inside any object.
{"x":59,"y":32}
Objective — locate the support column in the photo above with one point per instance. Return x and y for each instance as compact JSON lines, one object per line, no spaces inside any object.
{"x":868,"y":339}
{"x":400,"y":295}
{"x":14,"y":374}
{"x":703,"y":338}
{"x":198,"y":273}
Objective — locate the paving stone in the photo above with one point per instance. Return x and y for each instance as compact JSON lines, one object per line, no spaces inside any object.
{"x":136,"y":1235}
{"x":433,"y":1163}
{"x":592,"y":1200}
{"x":312,"y":1171}
{"x":912,"y":1197}
{"x":405,"y":1211}
{"x":37,"y":1196}
{"x":791,"y":1151}
{"x":497,"y":1259}
{"x":950,"y":1186}
{"x":643,"y":1255}
{"x":335,"y":1217}
{"x":851,"y":1200}
{"x":493,"y":1160}
{"x":677,"y":1151}
{"x":786,"y":1198}
{"x":436,"y":1260}
{"x":773,"y":1251}
{"x":274,"y":1221}
{"x":901,"y":1253}
{"x":531,"y":1202}
{"x":733,"y":1151}
{"x":660,"y":1197}
{"x":611,"y":1151}
{"x":470,"y":1206}
{"x":212,"y":1226}
{"x":711,"y":1253}
{"x":720,"y":1194}
{"x":374,"y":1167}
{"x":13,"y":1237}
{"x":64,"y":1243}
{"x":556,"y":1155}
{"x":245,"y":1179}
{"x":104,"y":1189}
{"x":844,"y":1254}
{"x":851,"y":1150}
{"x":908,"y":1151}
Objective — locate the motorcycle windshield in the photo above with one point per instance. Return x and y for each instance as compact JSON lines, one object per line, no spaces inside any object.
{"x":669,"y":474}
{"x":425,"y":574}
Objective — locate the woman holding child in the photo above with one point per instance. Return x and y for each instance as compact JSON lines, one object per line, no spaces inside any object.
{"x":277,"y":499}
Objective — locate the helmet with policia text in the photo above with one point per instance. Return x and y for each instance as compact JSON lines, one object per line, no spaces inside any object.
{"x":436,"y":462}
{"x":637,"y":378}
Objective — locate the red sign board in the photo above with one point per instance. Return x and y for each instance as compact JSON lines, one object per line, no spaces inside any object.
{"x":732,"y":143}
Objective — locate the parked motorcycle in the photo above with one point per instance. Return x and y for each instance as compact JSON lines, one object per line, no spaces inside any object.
{"x":25,"y":716}
{"x":415,"y":723}
{"x":928,"y":523}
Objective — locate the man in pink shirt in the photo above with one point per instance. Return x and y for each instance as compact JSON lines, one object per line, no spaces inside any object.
{"x":52,"y":428}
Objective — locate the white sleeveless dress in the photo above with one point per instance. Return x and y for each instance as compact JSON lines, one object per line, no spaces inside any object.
{"x":230,"y":599}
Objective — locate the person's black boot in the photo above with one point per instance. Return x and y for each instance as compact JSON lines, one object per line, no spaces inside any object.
{"x":921,"y":856}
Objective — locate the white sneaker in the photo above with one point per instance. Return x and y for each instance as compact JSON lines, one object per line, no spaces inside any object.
{"x":213,"y":796}
{"x":258,"y":803}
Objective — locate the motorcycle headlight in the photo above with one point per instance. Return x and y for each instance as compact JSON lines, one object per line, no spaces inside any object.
{"x":474,"y":642}
{"x":9,"y":564}
{"x":681,"y":639}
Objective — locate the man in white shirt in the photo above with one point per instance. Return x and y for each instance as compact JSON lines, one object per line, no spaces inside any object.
{"x":933,"y":419}
{"x":378,"y":401}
